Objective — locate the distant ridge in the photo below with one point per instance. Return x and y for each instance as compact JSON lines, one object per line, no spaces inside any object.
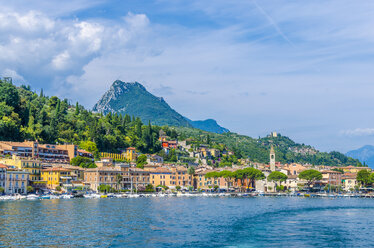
{"x":365,"y":154}
{"x":133,"y":99}
{"x":209,"y":125}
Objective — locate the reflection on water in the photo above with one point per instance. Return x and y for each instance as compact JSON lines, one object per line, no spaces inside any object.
{"x":188,"y":222}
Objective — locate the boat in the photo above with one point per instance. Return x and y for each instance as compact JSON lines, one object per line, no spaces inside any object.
{"x":32,"y":197}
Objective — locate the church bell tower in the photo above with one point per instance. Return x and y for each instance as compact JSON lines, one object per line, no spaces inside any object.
{"x":272,"y":159}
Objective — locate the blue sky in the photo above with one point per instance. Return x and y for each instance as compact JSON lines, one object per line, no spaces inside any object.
{"x":302,"y":68}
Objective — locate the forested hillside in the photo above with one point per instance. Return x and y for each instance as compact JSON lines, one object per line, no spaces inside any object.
{"x":257,"y":150}
{"x":27,"y":115}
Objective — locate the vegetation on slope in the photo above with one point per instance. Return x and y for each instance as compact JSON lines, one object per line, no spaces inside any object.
{"x":27,"y":115}
{"x":257,"y":150}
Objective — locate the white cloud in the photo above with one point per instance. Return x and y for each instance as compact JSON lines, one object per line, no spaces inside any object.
{"x":13,"y":74}
{"x":61,"y":61}
{"x":229,"y":49}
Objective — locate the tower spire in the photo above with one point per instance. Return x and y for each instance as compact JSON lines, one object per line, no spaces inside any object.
{"x":272,"y":158}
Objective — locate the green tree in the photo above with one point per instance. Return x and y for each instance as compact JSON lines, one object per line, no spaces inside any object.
{"x":90,"y":147}
{"x":58,"y":188}
{"x":77,"y":109}
{"x":310,"y":176}
{"x":149,"y":188}
{"x":82,"y":162}
{"x":178,"y":187}
{"x":277,"y":176}
{"x":228,"y":176}
{"x":191,"y":172}
{"x":141,"y":161}
{"x":2,"y":190}
{"x":30,"y":189}
{"x":364,"y":178}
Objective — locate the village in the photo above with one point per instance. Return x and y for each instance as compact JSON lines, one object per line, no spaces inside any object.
{"x":32,"y":168}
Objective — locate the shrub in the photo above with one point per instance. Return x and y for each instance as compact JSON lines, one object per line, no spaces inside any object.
{"x":30,"y":189}
{"x":149,"y":188}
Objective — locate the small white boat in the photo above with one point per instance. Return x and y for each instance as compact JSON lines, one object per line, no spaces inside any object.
{"x":32,"y":197}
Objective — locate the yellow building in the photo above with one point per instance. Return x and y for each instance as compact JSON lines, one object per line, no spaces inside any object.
{"x":170,"y":177}
{"x":353,"y":169}
{"x":161,"y":176}
{"x":116,"y":156}
{"x":215,"y":152}
{"x":130,"y":154}
{"x":56,"y":177}
{"x":32,"y":166}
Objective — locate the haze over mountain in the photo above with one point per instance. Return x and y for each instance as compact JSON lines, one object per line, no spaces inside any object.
{"x":365,"y":154}
{"x":133,"y":99}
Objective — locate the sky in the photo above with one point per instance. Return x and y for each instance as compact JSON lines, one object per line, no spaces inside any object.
{"x":302,"y":68}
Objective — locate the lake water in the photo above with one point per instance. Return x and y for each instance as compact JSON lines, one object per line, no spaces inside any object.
{"x":188,"y":222}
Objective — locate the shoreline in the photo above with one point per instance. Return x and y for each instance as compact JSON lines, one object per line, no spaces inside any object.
{"x":185,"y":195}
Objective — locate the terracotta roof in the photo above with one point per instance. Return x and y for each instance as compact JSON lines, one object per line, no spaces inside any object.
{"x":105,"y":168}
{"x":56,"y":169}
{"x":160,"y":170}
{"x":3,"y":166}
{"x":331,"y":171}
{"x":83,"y":151}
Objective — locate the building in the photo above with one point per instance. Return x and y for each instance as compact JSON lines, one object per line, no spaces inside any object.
{"x":57,"y":176}
{"x":171,"y":144}
{"x":181,"y":177}
{"x":349,"y":182}
{"x":106,"y":161}
{"x":205,"y":183}
{"x":138,"y":178}
{"x":76,"y":171}
{"x":111,"y":176}
{"x":116,"y":156}
{"x":16,"y":181}
{"x":215,"y":152}
{"x":294,"y":169}
{"x":154,"y":159}
{"x":44,"y":152}
{"x":332,"y":177}
{"x":291,"y":183}
{"x":32,"y":166}
{"x":130,"y":154}
{"x":354,"y":169}
{"x":272,"y":159}
{"x":161,"y":176}
{"x":3,"y":177}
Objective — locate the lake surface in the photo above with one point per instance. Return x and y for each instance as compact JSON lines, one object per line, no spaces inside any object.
{"x":188,"y":222}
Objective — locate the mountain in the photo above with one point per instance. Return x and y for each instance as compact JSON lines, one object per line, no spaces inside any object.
{"x":133,"y":99}
{"x":365,"y":154}
{"x":209,"y":125}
